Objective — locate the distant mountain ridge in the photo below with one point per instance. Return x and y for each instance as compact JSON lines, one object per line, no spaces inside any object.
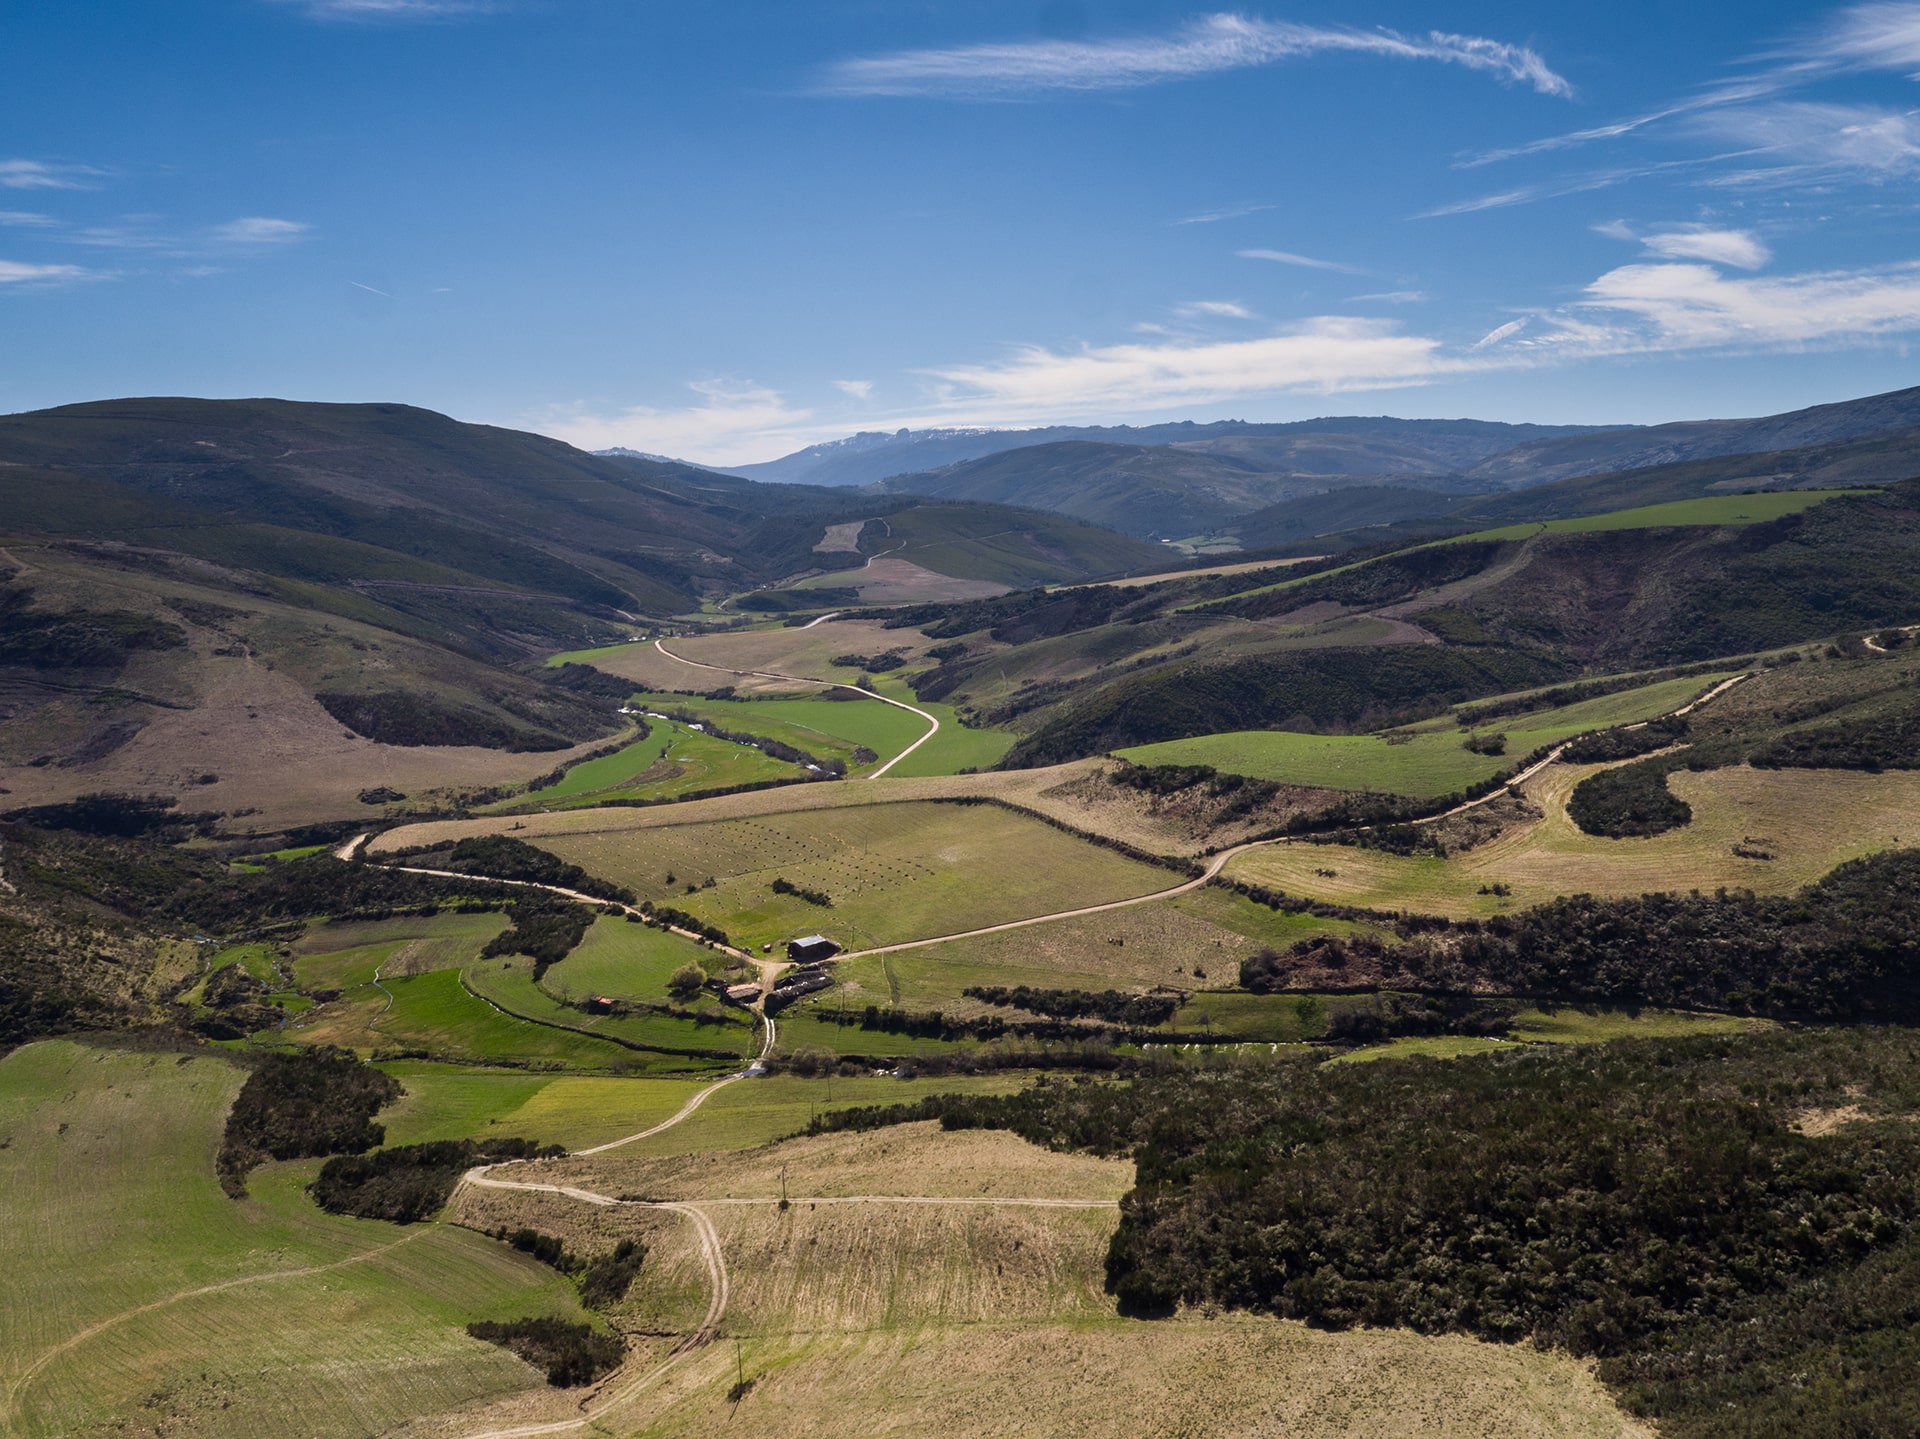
{"x":1239,"y":479}
{"x":1413,"y":445}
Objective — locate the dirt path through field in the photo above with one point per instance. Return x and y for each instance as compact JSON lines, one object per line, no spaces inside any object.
{"x":933,"y":721}
{"x":74,"y":1341}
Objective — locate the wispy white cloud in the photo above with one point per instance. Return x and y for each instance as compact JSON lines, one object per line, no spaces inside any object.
{"x":1214,"y":217}
{"x":26,"y":220}
{"x":1741,"y":249}
{"x":1780,"y":140}
{"x":1499,"y":333}
{"x":15,"y":272}
{"x":859,"y":389}
{"x":1207,"y":46}
{"x":39,"y":175}
{"x":1319,"y":356}
{"x":1695,"y":307}
{"x":391,"y":9}
{"x":1305,"y":262}
{"x":1214,"y":309}
{"x":1390,"y":297}
{"x":736,"y":423}
{"x":370,"y":289}
{"x":259,"y":230}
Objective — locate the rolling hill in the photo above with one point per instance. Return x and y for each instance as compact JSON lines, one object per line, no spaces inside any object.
{"x":1280,"y":484}
{"x":339,"y":599}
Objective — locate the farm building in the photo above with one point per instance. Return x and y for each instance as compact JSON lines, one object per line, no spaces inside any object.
{"x":743,"y":993}
{"x":811,"y":946}
{"x":600,"y":1004}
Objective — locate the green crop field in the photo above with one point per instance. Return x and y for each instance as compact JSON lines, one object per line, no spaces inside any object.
{"x":508,"y":983}
{"x":825,"y":728}
{"x":626,"y":961}
{"x":893,"y":871}
{"x":1424,"y":760}
{"x":435,"y":1014}
{"x":447,"y":1101}
{"x":1710,"y":510}
{"x":954,"y":748}
{"x":671,"y":761}
{"x":346,"y":954}
{"x":140,"y":1299}
{"x":1809,"y":820}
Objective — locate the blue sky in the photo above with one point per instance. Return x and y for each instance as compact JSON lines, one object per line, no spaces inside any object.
{"x":729,"y":229}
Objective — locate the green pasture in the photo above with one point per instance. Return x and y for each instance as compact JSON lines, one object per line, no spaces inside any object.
{"x":141,"y":1299}
{"x":1422,"y":761}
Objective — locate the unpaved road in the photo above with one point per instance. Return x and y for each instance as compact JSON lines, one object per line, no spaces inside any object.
{"x":933,"y":722}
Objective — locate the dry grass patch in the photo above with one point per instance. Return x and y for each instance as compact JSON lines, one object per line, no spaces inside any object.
{"x":907,"y":1159}
{"x":1809,"y":820}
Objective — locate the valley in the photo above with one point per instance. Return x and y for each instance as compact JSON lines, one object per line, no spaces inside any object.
{"x":1596,"y":805}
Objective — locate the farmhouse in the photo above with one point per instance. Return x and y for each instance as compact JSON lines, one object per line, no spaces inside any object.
{"x":600,"y":1004}
{"x":811,"y":946}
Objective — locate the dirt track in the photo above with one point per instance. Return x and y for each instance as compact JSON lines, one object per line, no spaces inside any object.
{"x":933,"y":722}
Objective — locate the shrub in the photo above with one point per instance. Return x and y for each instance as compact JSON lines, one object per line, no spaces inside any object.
{"x":571,"y":1354}
{"x":414,"y":1181}
{"x":294,"y":1106}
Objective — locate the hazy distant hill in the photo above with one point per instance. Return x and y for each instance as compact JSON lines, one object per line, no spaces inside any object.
{"x":1337,"y":445}
{"x":1256,"y":480}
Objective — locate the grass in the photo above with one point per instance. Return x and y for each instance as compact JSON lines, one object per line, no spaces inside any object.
{"x":1562,"y":1024}
{"x":1809,"y":820}
{"x":345,"y":955}
{"x":625,"y":961}
{"x":876,"y":1318}
{"x":1707,"y":510}
{"x":1422,"y":761}
{"x":671,"y":761}
{"x":1710,"y":511}
{"x":1138,"y":948}
{"x":435,"y":1016}
{"x":757,"y":1111}
{"x":893,"y":871}
{"x":955,"y":747}
{"x":825,"y":728}
{"x":372,"y":1342}
{"x":444,"y":1101}
{"x":508,"y":982}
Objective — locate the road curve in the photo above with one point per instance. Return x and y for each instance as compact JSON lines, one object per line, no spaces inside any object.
{"x":933,"y":721}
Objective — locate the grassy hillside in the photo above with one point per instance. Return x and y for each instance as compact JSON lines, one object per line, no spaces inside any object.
{"x":146,"y":1299}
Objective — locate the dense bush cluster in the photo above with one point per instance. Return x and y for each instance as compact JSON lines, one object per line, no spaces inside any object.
{"x":571,"y":1354}
{"x":1845,"y":948}
{"x":1379,"y":582}
{"x":500,"y":856}
{"x":116,"y":816}
{"x":414,"y":1181}
{"x":410,"y":718}
{"x":1631,"y":801}
{"x":544,"y":927}
{"x":1138,"y":1010}
{"x":299,"y":1105}
{"x":76,"y":639}
{"x":1651,"y":1204}
{"x":783,"y":885}
{"x":1626,"y":742}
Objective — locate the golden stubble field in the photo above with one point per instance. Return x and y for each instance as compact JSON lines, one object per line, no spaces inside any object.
{"x":858,"y":1311}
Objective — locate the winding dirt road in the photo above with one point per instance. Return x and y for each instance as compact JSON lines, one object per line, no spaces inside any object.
{"x":933,"y":721}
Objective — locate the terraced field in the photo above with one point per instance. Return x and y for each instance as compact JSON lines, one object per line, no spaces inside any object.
{"x":915,"y":1286}
{"x":671,"y":761}
{"x":625,"y":961}
{"x":347,"y":954}
{"x":1809,"y":820}
{"x":1424,"y":760}
{"x":893,"y":872}
{"x":145,"y":1301}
